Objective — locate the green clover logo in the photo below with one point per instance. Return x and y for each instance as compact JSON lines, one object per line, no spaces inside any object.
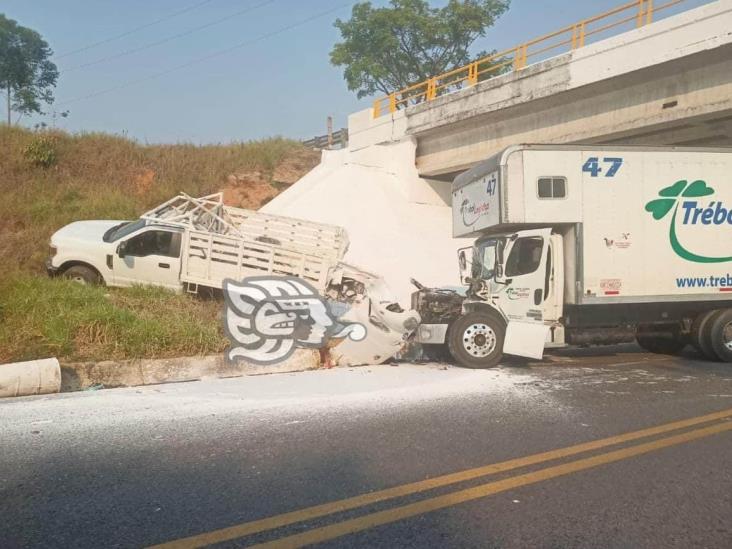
{"x":660,"y":207}
{"x":670,"y":200}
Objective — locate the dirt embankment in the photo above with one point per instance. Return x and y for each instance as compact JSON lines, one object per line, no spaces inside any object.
{"x":252,"y":189}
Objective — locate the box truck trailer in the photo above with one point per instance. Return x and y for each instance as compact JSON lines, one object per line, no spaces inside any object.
{"x":590,"y":245}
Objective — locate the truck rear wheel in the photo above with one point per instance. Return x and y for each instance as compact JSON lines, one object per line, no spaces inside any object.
{"x":720,"y":335}
{"x":476,"y":340}
{"x":704,"y":335}
{"x":697,"y":327}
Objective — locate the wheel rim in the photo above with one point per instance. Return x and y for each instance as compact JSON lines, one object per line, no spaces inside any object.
{"x":727,"y":335}
{"x":479,"y":340}
{"x":78,"y":279}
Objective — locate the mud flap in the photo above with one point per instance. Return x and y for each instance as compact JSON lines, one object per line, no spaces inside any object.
{"x":525,"y":339}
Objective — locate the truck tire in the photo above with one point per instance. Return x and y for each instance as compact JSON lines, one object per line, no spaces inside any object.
{"x":696,"y":328}
{"x":721,"y":335}
{"x":476,"y":340}
{"x":82,"y":275}
{"x":660,"y":345}
{"x":705,"y":335}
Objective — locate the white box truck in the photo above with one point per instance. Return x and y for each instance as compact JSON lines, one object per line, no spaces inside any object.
{"x":591,"y":245}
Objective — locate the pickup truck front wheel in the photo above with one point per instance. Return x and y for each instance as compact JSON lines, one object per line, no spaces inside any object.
{"x":82,"y":275}
{"x":476,"y":340}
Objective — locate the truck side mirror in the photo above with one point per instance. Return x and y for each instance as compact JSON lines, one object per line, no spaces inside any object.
{"x":463,"y":264}
{"x":121,"y":248}
{"x":498,"y":273}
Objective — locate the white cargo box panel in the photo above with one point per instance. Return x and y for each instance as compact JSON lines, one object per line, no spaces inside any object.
{"x":476,"y":196}
{"x":655,"y":224}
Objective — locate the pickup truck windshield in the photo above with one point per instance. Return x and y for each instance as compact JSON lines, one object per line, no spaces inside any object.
{"x":484,"y":258}
{"x":122,"y":230}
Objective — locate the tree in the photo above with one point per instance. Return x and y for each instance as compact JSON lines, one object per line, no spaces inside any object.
{"x":388,"y":49}
{"x":27,"y":76}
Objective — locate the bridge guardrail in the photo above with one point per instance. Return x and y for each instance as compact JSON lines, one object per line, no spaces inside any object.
{"x":338,"y":139}
{"x":638,"y":13}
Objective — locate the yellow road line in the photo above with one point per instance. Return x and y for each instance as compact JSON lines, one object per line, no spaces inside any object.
{"x":309,"y":513}
{"x":351,"y":526}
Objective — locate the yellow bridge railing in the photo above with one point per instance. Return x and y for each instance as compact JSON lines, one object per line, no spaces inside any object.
{"x":620,"y":19}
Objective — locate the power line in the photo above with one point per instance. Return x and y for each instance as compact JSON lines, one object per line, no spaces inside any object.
{"x":136,"y":29}
{"x":169,"y":38}
{"x":206,"y":57}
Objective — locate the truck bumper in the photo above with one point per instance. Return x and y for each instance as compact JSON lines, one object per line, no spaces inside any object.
{"x":431,"y":333}
{"x":50,"y":269}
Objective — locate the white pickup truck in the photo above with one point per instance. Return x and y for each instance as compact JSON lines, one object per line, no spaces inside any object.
{"x":187,"y":244}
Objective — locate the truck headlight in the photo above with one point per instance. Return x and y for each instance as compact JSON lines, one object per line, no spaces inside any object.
{"x":52,"y":251}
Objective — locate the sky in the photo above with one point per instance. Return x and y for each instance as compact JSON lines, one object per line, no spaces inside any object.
{"x":259,"y":68}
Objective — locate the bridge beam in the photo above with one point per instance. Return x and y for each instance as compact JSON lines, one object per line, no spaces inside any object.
{"x":666,"y":84}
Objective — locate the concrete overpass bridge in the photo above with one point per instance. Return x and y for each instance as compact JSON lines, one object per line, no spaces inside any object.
{"x":667,"y":82}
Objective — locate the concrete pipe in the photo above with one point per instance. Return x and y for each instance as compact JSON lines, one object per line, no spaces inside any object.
{"x":35,"y":377}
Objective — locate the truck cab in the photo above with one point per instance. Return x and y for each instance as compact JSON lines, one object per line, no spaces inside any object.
{"x":117,"y":253}
{"x":516,"y":279}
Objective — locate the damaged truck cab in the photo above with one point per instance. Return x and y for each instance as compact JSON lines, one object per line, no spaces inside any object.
{"x":583,"y":245}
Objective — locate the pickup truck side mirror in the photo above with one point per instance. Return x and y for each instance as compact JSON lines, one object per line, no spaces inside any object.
{"x":121,"y":249}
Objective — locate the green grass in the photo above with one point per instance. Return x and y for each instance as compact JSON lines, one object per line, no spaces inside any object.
{"x":99,"y":176}
{"x":42,"y":317}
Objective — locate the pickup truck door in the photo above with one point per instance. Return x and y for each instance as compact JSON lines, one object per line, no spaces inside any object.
{"x":151,"y":256}
{"x":523,"y":298}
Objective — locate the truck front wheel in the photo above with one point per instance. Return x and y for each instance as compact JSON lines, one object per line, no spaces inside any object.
{"x":476,"y":340}
{"x":82,"y":275}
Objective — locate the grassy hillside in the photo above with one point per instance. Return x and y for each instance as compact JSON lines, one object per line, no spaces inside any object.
{"x":50,"y":179}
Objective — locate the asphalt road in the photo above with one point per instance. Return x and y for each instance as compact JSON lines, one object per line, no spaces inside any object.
{"x":398,"y":453}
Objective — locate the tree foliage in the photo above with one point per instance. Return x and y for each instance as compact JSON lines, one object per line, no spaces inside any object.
{"x":387,"y":49}
{"x":27,"y":76}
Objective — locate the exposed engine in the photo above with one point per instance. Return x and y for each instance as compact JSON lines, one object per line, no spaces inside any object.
{"x":436,"y":305}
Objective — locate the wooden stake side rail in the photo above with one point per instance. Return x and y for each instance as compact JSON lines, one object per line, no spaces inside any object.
{"x":264,"y":242}
{"x":209,"y":259}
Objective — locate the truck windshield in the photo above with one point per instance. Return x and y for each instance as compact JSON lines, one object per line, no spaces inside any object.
{"x":484,"y":257}
{"x":122,"y":230}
